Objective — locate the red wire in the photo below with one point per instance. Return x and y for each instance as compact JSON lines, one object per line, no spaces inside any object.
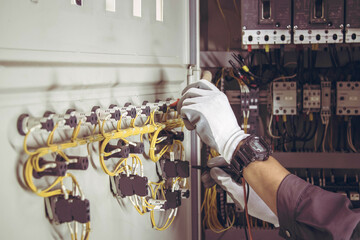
{"x":246,"y":209}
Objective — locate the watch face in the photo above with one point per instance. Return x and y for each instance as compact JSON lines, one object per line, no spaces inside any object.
{"x":257,"y":146}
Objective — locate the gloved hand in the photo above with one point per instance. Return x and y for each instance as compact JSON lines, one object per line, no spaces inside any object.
{"x":256,"y":206}
{"x":207,"y":110}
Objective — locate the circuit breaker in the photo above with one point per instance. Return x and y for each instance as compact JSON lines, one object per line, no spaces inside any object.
{"x":311,"y":98}
{"x":266,"y":22}
{"x":352,"y":33}
{"x":348,"y":98}
{"x":318,"y":21}
{"x":284,"y":98}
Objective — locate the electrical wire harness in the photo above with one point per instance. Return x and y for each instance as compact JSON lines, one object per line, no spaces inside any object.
{"x":111,"y":128}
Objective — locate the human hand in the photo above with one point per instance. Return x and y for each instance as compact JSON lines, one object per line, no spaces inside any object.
{"x":256,"y":206}
{"x":206,"y":109}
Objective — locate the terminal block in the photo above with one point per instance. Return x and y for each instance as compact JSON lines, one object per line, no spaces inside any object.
{"x":112,"y":113}
{"x":125,"y":186}
{"x":56,"y":168}
{"x":352,"y":32}
{"x":284,"y":98}
{"x":137,"y":147}
{"x":325,"y":98}
{"x":120,"y":150}
{"x":266,"y":22}
{"x":311,"y":98}
{"x":25,"y":123}
{"x":60,"y":210}
{"x":173,"y":199}
{"x":175,"y":168}
{"x":130,"y":110}
{"x":318,"y":21}
{"x":89,"y":118}
{"x":75,"y":163}
{"x":170,"y":136}
{"x":348,"y":98}
{"x":68,"y":120}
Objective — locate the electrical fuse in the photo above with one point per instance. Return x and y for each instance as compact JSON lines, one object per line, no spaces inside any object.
{"x":25,"y":123}
{"x":51,"y":169}
{"x":68,"y":120}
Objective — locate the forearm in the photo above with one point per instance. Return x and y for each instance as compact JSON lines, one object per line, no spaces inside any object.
{"x":265,"y":178}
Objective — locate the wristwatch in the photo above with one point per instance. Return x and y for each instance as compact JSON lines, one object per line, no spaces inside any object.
{"x":252,"y":148}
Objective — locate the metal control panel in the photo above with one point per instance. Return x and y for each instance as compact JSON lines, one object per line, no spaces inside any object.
{"x":348,"y":98}
{"x":284,"y":98}
{"x":266,"y":22}
{"x":318,"y":21}
{"x":311,"y":98}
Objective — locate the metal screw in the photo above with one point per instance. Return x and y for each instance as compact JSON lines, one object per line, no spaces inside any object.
{"x":244,"y":27}
{"x":348,"y":25}
{"x":341,"y":26}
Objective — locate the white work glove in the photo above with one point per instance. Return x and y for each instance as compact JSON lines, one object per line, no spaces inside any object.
{"x":256,"y":206}
{"x":206,"y":109}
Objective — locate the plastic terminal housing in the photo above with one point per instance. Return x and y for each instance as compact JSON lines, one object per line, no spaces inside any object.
{"x":25,"y":123}
{"x":70,"y":119}
{"x":130,"y":109}
{"x":121,"y":150}
{"x":86,"y":118}
{"x":175,"y":168}
{"x":54,"y":169}
{"x":112,"y":113}
{"x":173,"y":199}
{"x":76,"y":163}
{"x":130,"y":185}
{"x":60,"y":210}
{"x":138,"y":148}
{"x":171,"y":136}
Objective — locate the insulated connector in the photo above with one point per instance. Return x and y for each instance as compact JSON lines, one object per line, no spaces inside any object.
{"x":173,"y":199}
{"x":158,"y":205}
{"x":137,"y":148}
{"x":60,"y":210}
{"x":25,"y":123}
{"x":120,"y":150}
{"x":75,"y":163}
{"x":112,"y":113}
{"x":175,"y":168}
{"x":131,"y":185}
{"x":51,"y":169}
{"x":86,"y":118}
{"x":68,"y":120}
{"x":130,"y":110}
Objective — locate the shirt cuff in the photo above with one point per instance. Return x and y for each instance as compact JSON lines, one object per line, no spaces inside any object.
{"x":288,"y":197}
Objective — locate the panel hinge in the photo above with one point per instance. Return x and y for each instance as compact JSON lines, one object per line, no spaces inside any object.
{"x":193,"y":74}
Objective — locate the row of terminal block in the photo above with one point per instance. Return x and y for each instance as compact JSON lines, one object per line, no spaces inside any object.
{"x":71,"y":118}
{"x":316,"y":98}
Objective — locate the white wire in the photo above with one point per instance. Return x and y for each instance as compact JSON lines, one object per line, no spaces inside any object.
{"x":269,"y":128}
{"x":324,"y":138}
{"x":285,"y":77}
